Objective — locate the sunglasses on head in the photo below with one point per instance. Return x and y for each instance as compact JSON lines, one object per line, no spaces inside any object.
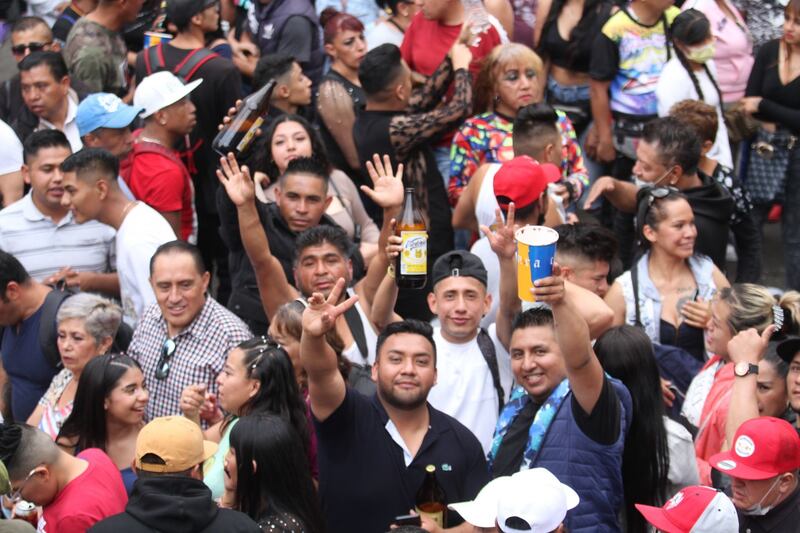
{"x":659,"y":193}
{"x":33,"y":47}
{"x":163,"y":365}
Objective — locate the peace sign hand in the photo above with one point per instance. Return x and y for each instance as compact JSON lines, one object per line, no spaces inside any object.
{"x":321,"y":314}
{"x":502,"y":238}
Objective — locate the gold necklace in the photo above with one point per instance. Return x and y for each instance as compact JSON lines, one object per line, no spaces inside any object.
{"x":128,"y":208}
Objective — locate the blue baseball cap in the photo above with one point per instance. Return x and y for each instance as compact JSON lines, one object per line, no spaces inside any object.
{"x":104,"y":110}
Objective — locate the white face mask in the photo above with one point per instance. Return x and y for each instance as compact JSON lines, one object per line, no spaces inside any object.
{"x":641,"y":184}
{"x":757,"y":509}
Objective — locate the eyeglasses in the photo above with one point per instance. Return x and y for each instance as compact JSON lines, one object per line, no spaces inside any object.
{"x":163,"y":366}
{"x":16,"y":495}
{"x":33,"y":47}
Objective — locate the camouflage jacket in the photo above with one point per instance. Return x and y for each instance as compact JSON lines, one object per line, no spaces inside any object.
{"x":97,"y":57}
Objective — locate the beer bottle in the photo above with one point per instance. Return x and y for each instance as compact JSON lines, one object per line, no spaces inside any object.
{"x":411,"y":270}
{"x":431,"y":500}
{"x":238,"y":134}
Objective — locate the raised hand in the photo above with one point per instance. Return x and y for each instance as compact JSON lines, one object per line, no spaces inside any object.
{"x":550,"y":289}
{"x":388,"y":188}
{"x":192,"y":400}
{"x":394,"y":244}
{"x":502,"y":238}
{"x":321,"y":314}
{"x":601,"y":186}
{"x":748,"y":346}
{"x":236,"y":180}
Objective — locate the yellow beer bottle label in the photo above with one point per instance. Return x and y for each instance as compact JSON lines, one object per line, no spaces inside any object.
{"x":414,"y":257}
{"x":436,"y":517}
{"x":249,"y":135}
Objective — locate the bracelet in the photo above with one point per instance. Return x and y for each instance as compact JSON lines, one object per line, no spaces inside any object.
{"x":390,"y":271}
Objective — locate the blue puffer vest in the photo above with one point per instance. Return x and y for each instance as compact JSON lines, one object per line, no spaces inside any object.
{"x":268,"y":21}
{"x":593,"y":470}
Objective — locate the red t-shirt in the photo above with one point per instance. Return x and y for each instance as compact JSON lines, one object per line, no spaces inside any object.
{"x":161,"y":182}
{"x":92,"y":496}
{"x":426,"y":43}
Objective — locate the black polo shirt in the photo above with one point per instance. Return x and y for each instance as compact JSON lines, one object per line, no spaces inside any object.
{"x":363,"y":480}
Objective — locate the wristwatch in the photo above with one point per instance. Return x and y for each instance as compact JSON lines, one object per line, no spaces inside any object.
{"x":745,"y":369}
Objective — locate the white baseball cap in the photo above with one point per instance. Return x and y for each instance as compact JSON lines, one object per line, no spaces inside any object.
{"x":159,"y":90}
{"x":534,"y":496}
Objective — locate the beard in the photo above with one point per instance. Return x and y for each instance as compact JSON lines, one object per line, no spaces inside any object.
{"x":405,"y":402}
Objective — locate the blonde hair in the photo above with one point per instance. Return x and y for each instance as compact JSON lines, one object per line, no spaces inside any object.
{"x":751,"y":306}
{"x":501,"y":56}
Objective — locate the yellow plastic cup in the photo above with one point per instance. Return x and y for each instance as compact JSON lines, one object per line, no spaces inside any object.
{"x":536,"y":248}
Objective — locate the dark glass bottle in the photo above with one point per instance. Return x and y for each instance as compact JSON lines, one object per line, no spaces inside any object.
{"x":431,"y":500}
{"x":237,"y":136}
{"x":411,"y":270}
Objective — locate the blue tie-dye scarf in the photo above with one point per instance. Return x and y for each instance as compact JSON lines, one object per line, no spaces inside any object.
{"x":541,"y":422}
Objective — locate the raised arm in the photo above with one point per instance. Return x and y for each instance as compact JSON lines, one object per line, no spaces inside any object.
{"x":387,"y":192}
{"x":382,"y":312}
{"x":326,"y":386}
{"x":621,"y":194}
{"x":504,"y":245}
{"x":273,"y":287}
{"x":335,"y":109}
{"x":464,"y":212}
{"x":746,"y":347}
{"x":598,"y":315}
{"x":583,"y":368}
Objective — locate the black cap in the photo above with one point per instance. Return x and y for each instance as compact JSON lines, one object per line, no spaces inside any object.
{"x":788,"y":348}
{"x":459,"y":263}
{"x":180,"y":11}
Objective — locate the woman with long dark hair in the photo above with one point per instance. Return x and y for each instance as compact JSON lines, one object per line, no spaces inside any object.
{"x":773,"y":96}
{"x":258,"y":377}
{"x":692,"y":75}
{"x":108,"y":411}
{"x":563,"y":36}
{"x":668,"y":288}
{"x":267,"y":476}
{"x":626,"y":353}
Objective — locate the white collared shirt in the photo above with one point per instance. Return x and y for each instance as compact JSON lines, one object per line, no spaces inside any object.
{"x":70,"y":124}
{"x":44,"y":247}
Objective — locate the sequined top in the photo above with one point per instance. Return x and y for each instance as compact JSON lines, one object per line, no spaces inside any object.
{"x":282,"y":523}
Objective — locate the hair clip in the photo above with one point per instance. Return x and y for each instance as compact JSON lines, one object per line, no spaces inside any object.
{"x":778,"y":317}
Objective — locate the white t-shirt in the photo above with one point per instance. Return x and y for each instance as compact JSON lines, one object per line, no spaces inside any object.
{"x":12,"y":150}
{"x":383,"y":32}
{"x":675,"y":85}
{"x":464,"y":388}
{"x":141,"y":233}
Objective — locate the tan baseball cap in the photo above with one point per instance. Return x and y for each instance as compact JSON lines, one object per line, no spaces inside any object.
{"x":177,"y":441}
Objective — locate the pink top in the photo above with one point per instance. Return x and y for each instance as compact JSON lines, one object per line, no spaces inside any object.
{"x":733,"y":47}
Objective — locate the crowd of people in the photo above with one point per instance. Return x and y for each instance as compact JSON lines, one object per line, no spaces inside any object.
{"x":202,"y":341}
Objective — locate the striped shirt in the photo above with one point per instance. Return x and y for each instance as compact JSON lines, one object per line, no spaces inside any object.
{"x":44,"y":247}
{"x":200,"y":352}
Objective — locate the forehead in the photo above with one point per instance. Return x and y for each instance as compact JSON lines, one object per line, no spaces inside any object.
{"x":38,"y":73}
{"x":306,"y":183}
{"x":319,"y":250}
{"x":37,"y":34}
{"x":459,"y":284}
{"x":648,"y":153}
{"x":174,"y":265}
{"x":523,"y":337}
{"x":49,"y":155}
{"x":288,"y":128}
{"x":675,"y":209}
{"x":407,"y":344}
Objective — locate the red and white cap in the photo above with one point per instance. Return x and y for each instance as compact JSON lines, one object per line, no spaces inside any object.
{"x":763,"y":448}
{"x":695,"y":509}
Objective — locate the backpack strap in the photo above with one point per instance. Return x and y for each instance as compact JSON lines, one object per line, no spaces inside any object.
{"x":48,"y":334}
{"x":486,"y":347}
{"x":153,"y":59}
{"x":193,"y":61}
{"x":353,"y":319}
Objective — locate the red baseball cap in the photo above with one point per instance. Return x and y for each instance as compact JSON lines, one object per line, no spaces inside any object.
{"x":763,"y":447}
{"x":522,"y":181}
{"x":694,"y":509}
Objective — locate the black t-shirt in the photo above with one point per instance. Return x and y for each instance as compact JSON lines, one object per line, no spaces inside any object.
{"x":221,"y":87}
{"x":601,"y":425}
{"x":781,"y":102}
{"x":363,"y":480}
